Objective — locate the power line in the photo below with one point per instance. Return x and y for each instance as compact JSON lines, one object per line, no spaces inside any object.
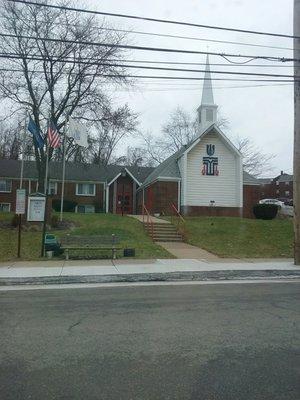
{"x":184,"y":37}
{"x":182,"y":63}
{"x":144,"y":48}
{"x":176,"y":89}
{"x":198,"y":39}
{"x":174,"y":22}
{"x":167,"y":77}
{"x":176,"y":84}
{"x":92,"y":63}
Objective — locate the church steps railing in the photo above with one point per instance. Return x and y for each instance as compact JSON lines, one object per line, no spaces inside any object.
{"x":147,"y":221}
{"x":178,"y":221}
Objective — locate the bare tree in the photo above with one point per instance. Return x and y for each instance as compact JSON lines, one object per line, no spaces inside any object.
{"x":55,"y":79}
{"x":255,"y":162}
{"x":135,"y":156}
{"x":113,"y":126}
{"x":11,"y":142}
{"x":179,"y":130}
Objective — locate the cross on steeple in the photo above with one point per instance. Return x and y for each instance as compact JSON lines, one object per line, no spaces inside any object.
{"x":207,"y":111}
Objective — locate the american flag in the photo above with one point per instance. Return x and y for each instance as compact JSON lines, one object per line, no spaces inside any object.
{"x":54,"y":139}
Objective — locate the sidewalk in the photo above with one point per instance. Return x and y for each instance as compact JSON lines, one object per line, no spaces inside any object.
{"x":47,"y":272}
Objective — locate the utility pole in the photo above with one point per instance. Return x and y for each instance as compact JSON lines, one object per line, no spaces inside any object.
{"x":296,"y":187}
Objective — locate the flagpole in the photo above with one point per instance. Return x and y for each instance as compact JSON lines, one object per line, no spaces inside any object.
{"x":21,"y":182}
{"x":63,"y":170}
{"x":47,"y":161}
{"x":23,"y":151}
{"x":45,"y":191}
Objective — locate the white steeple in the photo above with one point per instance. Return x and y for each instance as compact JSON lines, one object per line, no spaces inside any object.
{"x":207,"y":111}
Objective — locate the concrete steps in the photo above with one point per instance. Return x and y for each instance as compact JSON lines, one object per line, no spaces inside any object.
{"x":163,"y":232}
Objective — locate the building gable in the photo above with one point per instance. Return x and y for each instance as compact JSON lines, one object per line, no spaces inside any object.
{"x":219,"y":184}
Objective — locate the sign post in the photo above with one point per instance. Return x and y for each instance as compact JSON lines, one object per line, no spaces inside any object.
{"x":20,"y":210}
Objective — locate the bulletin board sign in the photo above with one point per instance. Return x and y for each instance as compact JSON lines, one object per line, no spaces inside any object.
{"x":36,"y":208}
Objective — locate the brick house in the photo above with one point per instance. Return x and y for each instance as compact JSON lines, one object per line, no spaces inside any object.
{"x":93,"y":188}
{"x":280,"y":187}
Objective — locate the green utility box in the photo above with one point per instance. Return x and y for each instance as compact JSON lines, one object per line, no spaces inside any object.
{"x":52,"y":244}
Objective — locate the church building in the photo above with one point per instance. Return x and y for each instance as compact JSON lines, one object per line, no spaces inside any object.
{"x":204,"y":177}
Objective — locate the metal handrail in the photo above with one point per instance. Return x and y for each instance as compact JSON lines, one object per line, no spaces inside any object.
{"x":149,"y":221}
{"x":180,"y":224}
{"x":177,"y":212}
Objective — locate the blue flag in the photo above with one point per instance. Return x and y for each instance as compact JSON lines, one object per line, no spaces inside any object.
{"x":36,"y":133}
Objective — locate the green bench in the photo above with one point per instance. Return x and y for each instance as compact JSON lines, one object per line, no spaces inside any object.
{"x":100,"y":243}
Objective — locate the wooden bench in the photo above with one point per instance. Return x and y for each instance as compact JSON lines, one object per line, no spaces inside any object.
{"x":98,"y":243}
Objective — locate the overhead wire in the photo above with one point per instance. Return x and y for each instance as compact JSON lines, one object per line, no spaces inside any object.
{"x":230,"y":65}
{"x":159,"y":20}
{"x":147,"y":48}
{"x":130,"y":31}
{"x":115,"y":65}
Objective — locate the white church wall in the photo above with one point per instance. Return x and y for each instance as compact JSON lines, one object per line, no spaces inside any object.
{"x":226,"y":188}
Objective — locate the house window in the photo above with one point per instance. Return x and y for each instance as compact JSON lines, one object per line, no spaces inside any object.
{"x":287,"y":183}
{"x":277,"y":191}
{"x":287,"y":193}
{"x":85,"y":208}
{"x":85,"y":189}
{"x":277,"y":183}
{"x":4,"y":207}
{"x":5,"y":185}
{"x":209,"y":115}
{"x":52,"y":188}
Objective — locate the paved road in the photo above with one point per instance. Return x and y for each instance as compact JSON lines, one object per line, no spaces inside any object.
{"x":205,"y":342}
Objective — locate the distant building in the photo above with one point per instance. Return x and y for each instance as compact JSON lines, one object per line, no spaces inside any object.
{"x":204,"y":177}
{"x":280,"y":187}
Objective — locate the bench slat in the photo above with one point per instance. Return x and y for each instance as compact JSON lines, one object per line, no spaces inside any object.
{"x":90,"y":240}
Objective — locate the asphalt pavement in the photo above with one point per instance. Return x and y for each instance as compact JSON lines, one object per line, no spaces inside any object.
{"x":208,"y":342}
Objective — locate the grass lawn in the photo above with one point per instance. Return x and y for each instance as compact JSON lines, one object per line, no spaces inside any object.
{"x":129,"y":230}
{"x":238,"y":237}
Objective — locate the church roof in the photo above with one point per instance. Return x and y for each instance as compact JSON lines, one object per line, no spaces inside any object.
{"x":249,"y":179}
{"x":207,"y":92}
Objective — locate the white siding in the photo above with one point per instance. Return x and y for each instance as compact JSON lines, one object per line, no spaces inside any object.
{"x":224,"y":189}
{"x":183,"y":181}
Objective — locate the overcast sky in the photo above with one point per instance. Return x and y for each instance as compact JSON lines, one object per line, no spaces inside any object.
{"x":264,"y":114}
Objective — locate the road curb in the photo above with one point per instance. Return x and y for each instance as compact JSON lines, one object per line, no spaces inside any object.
{"x":152,"y":277}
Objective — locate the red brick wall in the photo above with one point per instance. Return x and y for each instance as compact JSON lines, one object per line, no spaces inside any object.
{"x":158,"y":197}
{"x":251,"y":196}
{"x":207,"y":211}
{"x":70,"y":194}
{"x":273,"y":191}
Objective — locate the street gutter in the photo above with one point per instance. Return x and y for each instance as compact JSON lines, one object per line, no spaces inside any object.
{"x":219,"y":275}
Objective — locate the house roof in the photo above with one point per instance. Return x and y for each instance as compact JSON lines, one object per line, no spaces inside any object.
{"x":284,"y":178}
{"x":264,"y":181}
{"x":74,"y":171}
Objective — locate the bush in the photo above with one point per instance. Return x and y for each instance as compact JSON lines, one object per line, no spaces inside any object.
{"x":68,"y":205}
{"x":265,"y":211}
